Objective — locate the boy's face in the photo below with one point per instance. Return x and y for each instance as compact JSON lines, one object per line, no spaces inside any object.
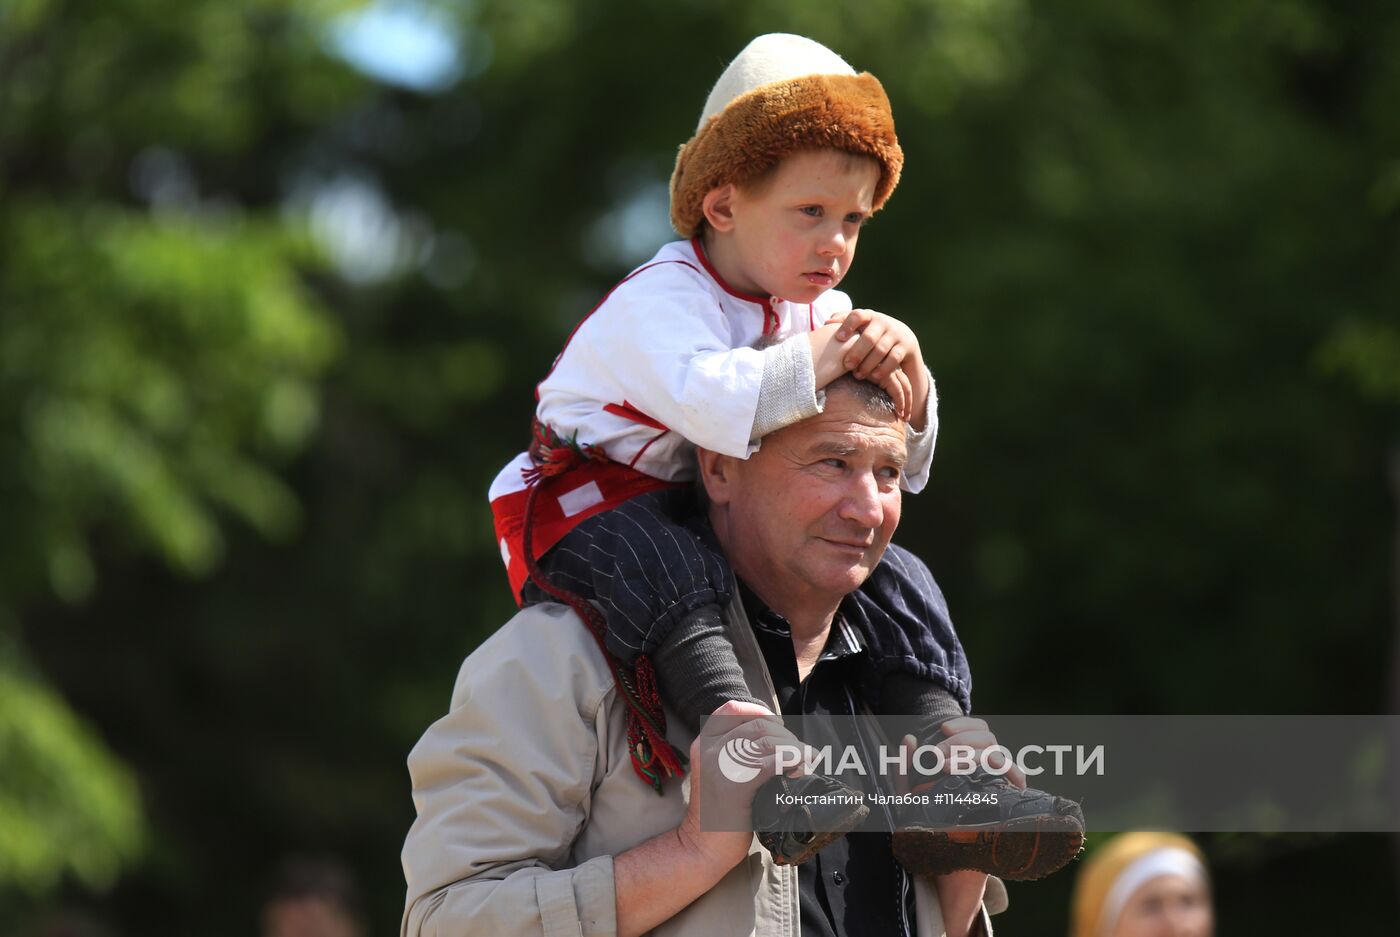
{"x":795,"y":234}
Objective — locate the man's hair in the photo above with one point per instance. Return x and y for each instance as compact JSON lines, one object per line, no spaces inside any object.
{"x":874,"y":398}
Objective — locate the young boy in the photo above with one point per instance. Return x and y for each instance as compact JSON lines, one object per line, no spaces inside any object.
{"x":716,"y":342}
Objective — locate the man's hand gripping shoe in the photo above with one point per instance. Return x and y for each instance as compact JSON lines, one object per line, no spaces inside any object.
{"x":796,"y":817}
{"x":983,"y":822}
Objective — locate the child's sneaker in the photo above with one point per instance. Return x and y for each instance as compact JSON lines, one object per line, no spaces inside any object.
{"x":796,"y":817}
{"x":983,"y":822}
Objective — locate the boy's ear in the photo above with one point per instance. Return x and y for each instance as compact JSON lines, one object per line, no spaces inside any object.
{"x":718,"y":207}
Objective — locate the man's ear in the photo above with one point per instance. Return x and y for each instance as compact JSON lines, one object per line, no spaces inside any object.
{"x":716,"y":474}
{"x":718,"y":206}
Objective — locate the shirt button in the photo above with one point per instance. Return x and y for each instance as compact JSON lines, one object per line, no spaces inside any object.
{"x":838,"y":878}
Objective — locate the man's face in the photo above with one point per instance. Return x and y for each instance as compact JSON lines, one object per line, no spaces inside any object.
{"x":796,"y":232}
{"x":809,"y":515}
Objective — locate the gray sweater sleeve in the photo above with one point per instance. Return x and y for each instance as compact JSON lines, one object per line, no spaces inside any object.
{"x":788,"y":390}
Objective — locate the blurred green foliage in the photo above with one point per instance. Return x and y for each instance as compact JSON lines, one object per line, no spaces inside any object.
{"x":160,"y":363}
{"x":67,"y":807}
{"x":155,"y":369}
{"x":269,"y":325}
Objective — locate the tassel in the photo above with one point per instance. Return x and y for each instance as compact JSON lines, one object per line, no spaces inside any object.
{"x":654,"y":759}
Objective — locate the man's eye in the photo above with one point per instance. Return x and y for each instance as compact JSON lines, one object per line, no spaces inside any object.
{"x":834,"y":463}
{"x":891,"y":473}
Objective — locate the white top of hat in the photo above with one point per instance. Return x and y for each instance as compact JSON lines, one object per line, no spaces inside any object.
{"x":770,"y":58}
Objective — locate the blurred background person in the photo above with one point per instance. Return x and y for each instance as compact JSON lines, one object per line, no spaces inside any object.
{"x":312,"y":898}
{"x":1143,"y":885}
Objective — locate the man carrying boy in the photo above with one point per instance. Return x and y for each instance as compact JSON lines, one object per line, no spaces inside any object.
{"x":530,"y":818}
{"x":717,"y":342}
{"x":724,"y":342}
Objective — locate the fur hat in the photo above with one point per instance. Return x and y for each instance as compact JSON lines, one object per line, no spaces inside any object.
{"x":781,"y":94}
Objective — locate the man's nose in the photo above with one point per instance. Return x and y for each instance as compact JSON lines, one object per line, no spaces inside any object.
{"x":862,"y":502}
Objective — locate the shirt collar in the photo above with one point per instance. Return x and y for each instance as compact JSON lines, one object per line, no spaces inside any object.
{"x":704,"y":259}
{"x":770,"y":305}
{"x":842,"y":640}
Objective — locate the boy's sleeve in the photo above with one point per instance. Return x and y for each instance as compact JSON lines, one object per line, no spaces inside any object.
{"x":788,"y":390}
{"x":665,"y":346}
{"x":828,"y":304}
{"x":920,"y":445}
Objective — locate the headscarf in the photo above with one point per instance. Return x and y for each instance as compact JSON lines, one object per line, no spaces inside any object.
{"x":1110,"y":876}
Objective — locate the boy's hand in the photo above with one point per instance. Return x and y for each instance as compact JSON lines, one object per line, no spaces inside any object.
{"x":881,"y":349}
{"x":829,"y":363}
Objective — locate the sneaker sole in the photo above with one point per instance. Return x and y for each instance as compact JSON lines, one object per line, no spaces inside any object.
{"x":821,"y":840}
{"x":1020,"y":850}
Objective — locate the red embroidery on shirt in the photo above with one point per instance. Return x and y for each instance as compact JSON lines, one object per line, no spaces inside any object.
{"x":629,"y":412}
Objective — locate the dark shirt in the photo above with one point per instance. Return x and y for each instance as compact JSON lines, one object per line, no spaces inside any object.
{"x":853,"y":887}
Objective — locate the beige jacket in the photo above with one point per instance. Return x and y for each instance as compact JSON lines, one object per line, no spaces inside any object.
{"x":525,"y":792}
